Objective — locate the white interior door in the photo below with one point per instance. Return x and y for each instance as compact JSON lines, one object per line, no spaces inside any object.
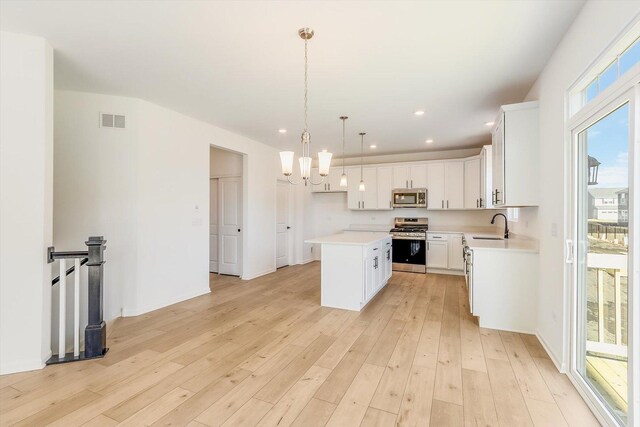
{"x":230,"y":225}
{"x":282,"y":224}
{"x":213,"y":225}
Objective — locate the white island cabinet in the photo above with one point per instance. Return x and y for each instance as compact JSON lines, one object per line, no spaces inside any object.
{"x":354,"y":267}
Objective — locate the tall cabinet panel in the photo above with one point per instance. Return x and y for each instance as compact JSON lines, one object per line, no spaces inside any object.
{"x":472,"y":184}
{"x":354,"y":198}
{"x":454,"y":185}
{"x":385,"y":187}
{"x":435,"y":186}
{"x":401,"y":176}
{"x":370,"y":195}
{"x":516,"y":145}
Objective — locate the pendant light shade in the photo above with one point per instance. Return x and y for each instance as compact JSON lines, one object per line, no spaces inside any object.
{"x":286,"y":158}
{"x":324,"y":162}
{"x":361,"y":186}
{"x":305,"y":167}
{"x":343,"y":180}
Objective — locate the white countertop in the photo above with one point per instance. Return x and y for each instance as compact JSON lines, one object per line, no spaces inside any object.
{"x":461,"y":229}
{"x":513,"y":243}
{"x":373,"y":228}
{"x":358,"y":239}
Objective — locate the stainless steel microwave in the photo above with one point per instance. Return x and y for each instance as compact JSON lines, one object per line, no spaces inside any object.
{"x":410,"y":198}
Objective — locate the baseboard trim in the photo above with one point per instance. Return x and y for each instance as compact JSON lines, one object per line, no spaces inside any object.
{"x":23,"y":366}
{"x":255,"y":276}
{"x":445,"y":271}
{"x":306,"y":261}
{"x":137,"y":311}
{"x":560,"y":366}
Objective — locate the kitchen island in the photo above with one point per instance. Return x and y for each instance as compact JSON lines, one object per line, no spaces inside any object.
{"x":354,"y":267}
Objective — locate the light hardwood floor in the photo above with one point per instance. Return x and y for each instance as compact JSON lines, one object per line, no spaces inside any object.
{"x":263,"y":352}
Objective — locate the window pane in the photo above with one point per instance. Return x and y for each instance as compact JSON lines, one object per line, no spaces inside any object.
{"x":592,"y":90}
{"x":602,"y":257}
{"x":608,"y":76}
{"x":630,"y":57}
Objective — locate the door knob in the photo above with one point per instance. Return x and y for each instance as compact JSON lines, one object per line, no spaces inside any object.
{"x":238,"y":230}
{"x":288,"y":228}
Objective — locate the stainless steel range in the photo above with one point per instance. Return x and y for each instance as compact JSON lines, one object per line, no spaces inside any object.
{"x":410,"y":244}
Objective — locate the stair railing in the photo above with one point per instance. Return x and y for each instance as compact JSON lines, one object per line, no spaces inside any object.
{"x":95,"y":333}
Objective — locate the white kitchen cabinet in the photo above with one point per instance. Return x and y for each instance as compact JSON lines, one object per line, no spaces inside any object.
{"x":486,"y":200}
{"x":330,"y":183}
{"x":445,"y":185}
{"x":385,"y":187}
{"x":504,"y":284}
{"x":516,"y":145}
{"x":362,"y":200}
{"x":353,"y":268}
{"x":410,"y":176}
{"x":472,"y":183}
{"x":437,"y":254}
{"x":435,"y":185}
{"x":387,"y":261}
{"x":456,"y":249}
{"x":454,"y":184}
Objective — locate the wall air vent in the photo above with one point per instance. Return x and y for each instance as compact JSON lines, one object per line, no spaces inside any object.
{"x":108,"y":120}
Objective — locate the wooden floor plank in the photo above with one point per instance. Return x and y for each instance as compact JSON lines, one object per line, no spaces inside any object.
{"x":264,"y":352}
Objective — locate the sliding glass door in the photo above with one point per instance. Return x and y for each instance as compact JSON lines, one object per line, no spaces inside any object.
{"x":603,"y":233}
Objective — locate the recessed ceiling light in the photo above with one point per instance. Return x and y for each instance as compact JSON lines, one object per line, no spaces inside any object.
{"x":373,"y":146}
{"x":282,"y":130}
{"x":419,"y":112}
{"x":429,"y":141}
{"x":489,"y":123}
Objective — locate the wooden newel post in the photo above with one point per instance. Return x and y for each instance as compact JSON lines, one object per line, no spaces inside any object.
{"x":95,"y":334}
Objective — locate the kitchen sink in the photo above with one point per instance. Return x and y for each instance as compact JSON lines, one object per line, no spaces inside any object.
{"x":489,"y":238}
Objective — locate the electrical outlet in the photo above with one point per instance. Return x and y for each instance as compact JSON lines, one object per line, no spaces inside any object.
{"x":554,"y":229}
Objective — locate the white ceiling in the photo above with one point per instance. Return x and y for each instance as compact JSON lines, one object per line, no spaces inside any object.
{"x":239,"y":64}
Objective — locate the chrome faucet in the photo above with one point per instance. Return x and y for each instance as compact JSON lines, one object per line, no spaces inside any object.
{"x":506,"y":225}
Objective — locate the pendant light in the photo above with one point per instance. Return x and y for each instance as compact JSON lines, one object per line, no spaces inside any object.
{"x":343,"y":177}
{"x":324,"y":157}
{"x":361,"y":186}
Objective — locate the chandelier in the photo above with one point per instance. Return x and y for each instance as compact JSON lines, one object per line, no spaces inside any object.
{"x":324,"y":157}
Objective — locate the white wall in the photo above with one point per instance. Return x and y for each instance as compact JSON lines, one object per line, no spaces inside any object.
{"x":26,"y":187}
{"x":597,"y":25}
{"x":224,"y":163}
{"x":152,"y":199}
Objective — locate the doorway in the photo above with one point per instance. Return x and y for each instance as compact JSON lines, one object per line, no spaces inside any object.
{"x":282,"y":224}
{"x":225,"y":212}
{"x":603,"y":280}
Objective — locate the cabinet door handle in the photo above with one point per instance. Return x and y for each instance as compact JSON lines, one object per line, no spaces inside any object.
{"x":481,"y":202}
{"x":428,"y":246}
{"x":497,"y":192}
{"x":406,"y":183}
{"x":411,"y":183}
{"x":477,"y":203}
{"x":447,"y":204}
{"x":329,"y":186}
{"x":443,"y":204}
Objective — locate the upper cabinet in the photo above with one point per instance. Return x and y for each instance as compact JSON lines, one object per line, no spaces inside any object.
{"x":330,"y":183}
{"x":367,"y":199}
{"x":472,"y":185}
{"x":410,"y":176}
{"x":515,"y":161}
{"x":445,"y":185}
{"x":486,"y":178}
{"x":385,"y":187}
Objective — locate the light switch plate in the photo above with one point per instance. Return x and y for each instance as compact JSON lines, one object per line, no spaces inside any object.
{"x":554,"y":229}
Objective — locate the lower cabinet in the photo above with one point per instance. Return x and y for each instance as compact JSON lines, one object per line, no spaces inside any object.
{"x":352,"y":274}
{"x":445,"y":252}
{"x":437,"y":254}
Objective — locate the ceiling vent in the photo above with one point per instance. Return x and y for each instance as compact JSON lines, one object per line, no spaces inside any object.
{"x":108,"y":120}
